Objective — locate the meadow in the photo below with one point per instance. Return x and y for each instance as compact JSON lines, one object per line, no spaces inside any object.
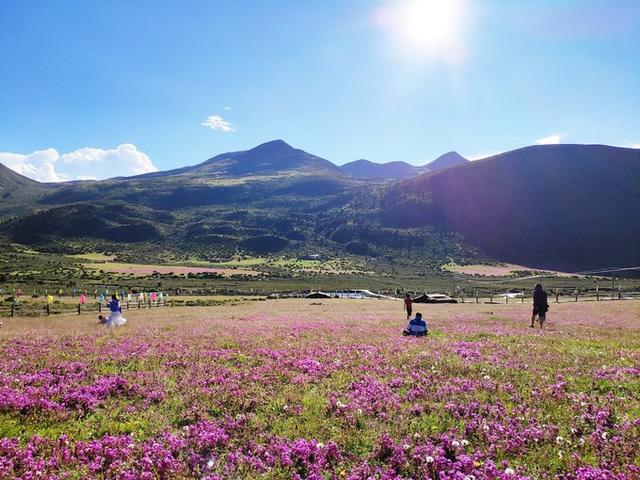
{"x":307,"y":389}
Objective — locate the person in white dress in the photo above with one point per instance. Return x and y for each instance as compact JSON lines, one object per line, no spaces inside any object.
{"x":115,"y":313}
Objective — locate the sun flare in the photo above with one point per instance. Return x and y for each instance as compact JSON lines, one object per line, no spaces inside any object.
{"x":423,"y":26}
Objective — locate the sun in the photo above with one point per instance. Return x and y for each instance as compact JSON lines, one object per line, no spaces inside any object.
{"x":426,"y":23}
{"x":423,"y":26}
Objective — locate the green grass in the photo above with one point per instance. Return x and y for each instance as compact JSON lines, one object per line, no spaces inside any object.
{"x":34,"y":272}
{"x":92,"y":257}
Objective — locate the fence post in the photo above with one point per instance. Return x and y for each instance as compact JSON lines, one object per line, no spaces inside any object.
{"x":127,"y":304}
{"x":557,"y":295}
{"x":475,"y":292}
{"x":100,"y":307}
{"x":13,"y":309}
{"x":522,"y":297}
{"x":462,"y":296}
{"x":48,"y":311}
{"x":491,"y":297}
{"x":78,"y":309}
{"x":597,"y":293}
{"x":576,"y":293}
{"x":506,"y":296}
{"x":613,"y":287}
{"x":619,"y":292}
{"x":138,"y":304}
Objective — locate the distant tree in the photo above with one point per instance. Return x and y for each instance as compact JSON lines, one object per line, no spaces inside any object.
{"x":265,"y":243}
{"x":358,"y":248}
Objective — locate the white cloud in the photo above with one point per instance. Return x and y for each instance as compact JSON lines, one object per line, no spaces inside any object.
{"x":551,"y":139}
{"x":81,"y":164}
{"x":216,"y":122}
{"x":38,"y":165}
{"x":635,"y":145}
{"x":227,"y":108}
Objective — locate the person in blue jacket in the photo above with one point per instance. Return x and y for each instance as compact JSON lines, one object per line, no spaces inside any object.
{"x":115,"y":313}
{"x":417,"y":327}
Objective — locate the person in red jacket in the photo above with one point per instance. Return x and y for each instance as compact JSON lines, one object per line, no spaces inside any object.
{"x":407,"y":305}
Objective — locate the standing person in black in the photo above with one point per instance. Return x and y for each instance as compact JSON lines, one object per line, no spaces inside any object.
{"x":540,"y":305}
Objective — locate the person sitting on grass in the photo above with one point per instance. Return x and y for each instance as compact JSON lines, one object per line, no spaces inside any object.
{"x":417,"y":327}
{"x":115,"y":314}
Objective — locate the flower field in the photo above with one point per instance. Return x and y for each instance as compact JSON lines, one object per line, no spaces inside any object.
{"x":292,"y":389}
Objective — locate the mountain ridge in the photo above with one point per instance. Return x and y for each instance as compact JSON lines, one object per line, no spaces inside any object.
{"x":399,"y":170}
{"x":363,"y":168}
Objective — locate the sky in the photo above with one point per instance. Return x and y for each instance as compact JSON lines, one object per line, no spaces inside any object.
{"x":95,"y":89}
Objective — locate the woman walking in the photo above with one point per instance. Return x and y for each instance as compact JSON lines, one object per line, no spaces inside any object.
{"x":540,"y":306}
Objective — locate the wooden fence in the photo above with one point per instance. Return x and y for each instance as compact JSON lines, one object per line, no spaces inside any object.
{"x":555,"y":295}
{"x":477,"y":295}
{"x":19,"y":309}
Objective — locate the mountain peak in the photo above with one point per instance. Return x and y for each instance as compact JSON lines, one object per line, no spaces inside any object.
{"x":449,"y":159}
{"x":273,"y":147}
{"x":452,"y":153}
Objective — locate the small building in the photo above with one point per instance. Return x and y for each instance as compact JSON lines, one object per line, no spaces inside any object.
{"x":311,"y":256}
{"x":434,"y":298}
{"x":317,"y":295}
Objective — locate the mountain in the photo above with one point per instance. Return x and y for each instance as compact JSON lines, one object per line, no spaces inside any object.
{"x":449,"y":159}
{"x":271,"y":158}
{"x":571,"y":207}
{"x":367,"y":169}
{"x":392,"y":170}
{"x":269,"y":170}
{"x":263,"y":199}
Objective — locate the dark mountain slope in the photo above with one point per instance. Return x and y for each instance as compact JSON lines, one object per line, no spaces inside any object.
{"x":553,"y":206}
{"x":116,"y":222}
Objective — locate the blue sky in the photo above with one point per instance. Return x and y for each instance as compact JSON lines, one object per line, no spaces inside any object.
{"x":95,"y":86}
